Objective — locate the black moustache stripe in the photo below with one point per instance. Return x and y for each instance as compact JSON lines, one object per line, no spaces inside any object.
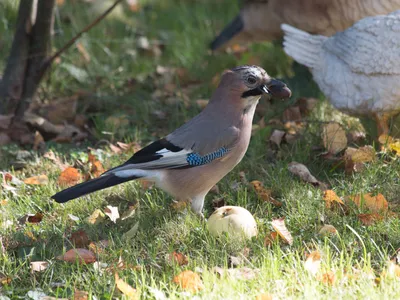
{"x":254,"y":92}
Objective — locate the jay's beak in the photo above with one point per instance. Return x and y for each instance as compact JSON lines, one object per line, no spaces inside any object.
{"x":277,"y":89}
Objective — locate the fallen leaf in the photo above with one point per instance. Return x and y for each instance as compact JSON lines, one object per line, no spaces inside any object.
{"x":83,"y":256}
{"x":393,"y":269}
{"x":98,"y":247}
{"x":130,"y":212}
{"x":385,"y":139}
{"x":96,"y":168}
{"x":80,"y":295}
{"x":331,"y":198}
{"x":37,"y":180}
{"x":4,"y":280}
{"x":79,"y":239}
{"x":189,"y":280}
{"x":292,"y":114}
{"x":50,"y":155}
{"x":363,"y":154}
{"x":264,"y":194}
{"x":264,"y":296}
{"x":39,"y":266}
{"x":179,"y":205}
{"x":369,"y":219}
{"x":334,"y":138}
{"x":270,"y":239}
{"x":218,"y":202}
{"x":202,"y":103}
{"x":376,"y":203}
{"x":313,"y":262}
{"x":277,"y":136}
{"x":112,"y":213}
{"x":31,"y":218}
{"x":96,"y":217}
{"x":327,"y":230}
{"x":38,"y":142}
{"x":130,"y":292}
{"x":280,"y":227}
{"x":69,"y":177}
{"x":131,"y":233}
{"x":304,"y":174}
{"x":327,"y":278}
{"x":177,"y":258}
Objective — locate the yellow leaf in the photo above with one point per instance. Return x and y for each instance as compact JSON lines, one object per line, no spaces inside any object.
{"x":395,"y":146}
{"x":334,"y":138}
{"x":189,"y":280}
{"x":130,"y":292}
{"x":96,"y":217}
{"x":330,"y":198}
{"x":376,"y":203}
{"x":37,"y":180}
{"x":327,"y":230}
{"x":280,"y":227}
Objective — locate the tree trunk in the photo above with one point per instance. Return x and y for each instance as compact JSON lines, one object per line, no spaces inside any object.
{"x":40,"y":44}
{"x":11,"y":86}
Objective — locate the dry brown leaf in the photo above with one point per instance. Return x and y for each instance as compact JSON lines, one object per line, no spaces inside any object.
{"x":80,"y":295}
{"x":112,"y":212}
{"x":130,"y":292}
{"x":363,"y":154}
{"x":376,"y":203}
{"x":369,"y":219}
{"x":313,"y":262}
{"x":98,"y":247}
{"x":38,"y":142}
{"x":69,"y":177}
{"x":4,"y":280}
{"x":83,"y":256}
{"x":37,"y":180}
{"x":277,"y":136}
{"x":334,"y":138}
{"x":50,"y":155}
{"x":331,"y":198}
{"x":280,"y":227}
{"x":327,"y":230}
{"x":270,"y":239}
{"x":179,"y":205}
{"x":201,"y":103}
{"x":264,"y":194}
{"x":31,"y":218}
{"x":327,"y":278}
{"x":177,"y":258}
{"x":189,"y":280}
{"x":292,"y":114}
{"x":304,"y":174}
{"x":39,"y":266}
{"x":79,"y":239}
{"x":96,"y":217}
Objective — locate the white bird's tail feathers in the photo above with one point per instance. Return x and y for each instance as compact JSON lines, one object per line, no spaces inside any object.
{"x":303,"y":47}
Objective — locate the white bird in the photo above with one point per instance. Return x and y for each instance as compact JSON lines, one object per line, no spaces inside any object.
{"x":357,"y":69}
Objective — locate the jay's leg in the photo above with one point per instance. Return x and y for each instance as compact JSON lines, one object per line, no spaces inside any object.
{"x":197,"y":204}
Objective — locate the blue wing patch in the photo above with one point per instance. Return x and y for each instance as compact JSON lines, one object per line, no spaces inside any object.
{"x":195,"y":159}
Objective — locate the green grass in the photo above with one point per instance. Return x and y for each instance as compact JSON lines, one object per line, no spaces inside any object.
{"x":356,"y":256}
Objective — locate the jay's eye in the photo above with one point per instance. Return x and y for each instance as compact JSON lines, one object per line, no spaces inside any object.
{"x":251,"y":80}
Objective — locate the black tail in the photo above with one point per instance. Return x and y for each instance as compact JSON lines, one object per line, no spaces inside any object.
{"x":90,"y":186}
{"x":228,"y":33}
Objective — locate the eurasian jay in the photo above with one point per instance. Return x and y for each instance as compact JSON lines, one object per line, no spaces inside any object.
{"x":188,"y":162}
{"x":260,"y":20}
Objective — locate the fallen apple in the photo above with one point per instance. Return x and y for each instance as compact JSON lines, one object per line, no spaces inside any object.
{"x":236,"y":221}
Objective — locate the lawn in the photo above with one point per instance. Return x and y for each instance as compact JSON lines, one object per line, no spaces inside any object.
{"x":128,"y":93}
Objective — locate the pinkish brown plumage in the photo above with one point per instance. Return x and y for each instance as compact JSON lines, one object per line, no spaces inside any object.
{"x":191,"y":160}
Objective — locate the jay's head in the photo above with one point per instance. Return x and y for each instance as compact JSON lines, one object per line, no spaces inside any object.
{"x":251,"y":82}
